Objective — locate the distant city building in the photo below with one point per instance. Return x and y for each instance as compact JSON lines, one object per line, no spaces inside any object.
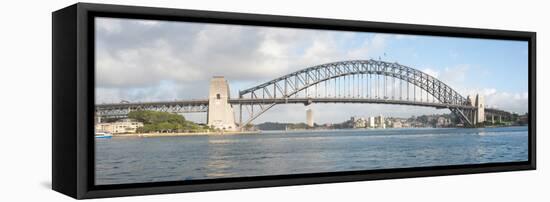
{"x":434,"y":120}
{"x":358,"y":122}
{"x":119,"y":127}
{"x":442,"y":122}
{"x":371,"y":123}
{"x":397,"y":124}
{"x":309,"y":117}
{"x":380,"y":123}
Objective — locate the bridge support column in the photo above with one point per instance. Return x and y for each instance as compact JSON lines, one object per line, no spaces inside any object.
{"x":220,"y":112}
{"x":480,"y":105}
{"x":309,"y":118}
{"x":477,"y":115}
{"x":241,"y":117}
{"x":472,"y":113}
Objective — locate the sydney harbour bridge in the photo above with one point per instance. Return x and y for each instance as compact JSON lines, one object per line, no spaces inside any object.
{"x":350,"y":82}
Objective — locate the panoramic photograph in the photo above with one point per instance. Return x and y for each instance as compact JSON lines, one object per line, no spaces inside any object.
{"x":184,"y":101}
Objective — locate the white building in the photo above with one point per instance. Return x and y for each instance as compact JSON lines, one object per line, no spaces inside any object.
{"x":371,"y":123}
{"x":397,"y":124}
{"x":358,"y":122}
{"x":380,"y":122}
{"x":119,"y":127}
{"x":442,"y":122}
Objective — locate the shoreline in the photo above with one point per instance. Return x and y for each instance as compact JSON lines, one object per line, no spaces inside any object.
{"x":187,"y":134}
{"x":254,"y":132}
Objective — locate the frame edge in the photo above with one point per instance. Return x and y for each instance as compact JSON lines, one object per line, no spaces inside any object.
{"x":64,"y":143}
{"x":81,"y":165}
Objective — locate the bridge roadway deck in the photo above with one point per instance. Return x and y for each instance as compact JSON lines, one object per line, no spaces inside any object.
{"x":305,"y":101}
{"x":196,"y":102}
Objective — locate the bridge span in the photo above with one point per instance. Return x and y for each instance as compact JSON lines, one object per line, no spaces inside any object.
{"x":350,"y":82}
{"x":308,"y":101}
{"x":201,"y":105}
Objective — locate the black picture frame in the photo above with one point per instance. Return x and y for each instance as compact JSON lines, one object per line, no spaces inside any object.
{"x":73,"y":100}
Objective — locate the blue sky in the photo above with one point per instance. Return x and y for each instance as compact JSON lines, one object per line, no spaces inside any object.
{"x":494,"y":63}
{"x":144,"y":60}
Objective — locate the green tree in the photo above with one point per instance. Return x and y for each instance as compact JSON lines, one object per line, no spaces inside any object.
{"x":154,"y":121}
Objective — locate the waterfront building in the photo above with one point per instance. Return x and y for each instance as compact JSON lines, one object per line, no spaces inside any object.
{"x":380,"y":123}
{"x":397,"y":124}
{"x":119,"y":127}
{"x":358,"y":122}
{"x":442,"y":122}
{"x":371,"y":122}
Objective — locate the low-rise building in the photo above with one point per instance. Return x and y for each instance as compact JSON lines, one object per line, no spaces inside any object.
{"x":443,"y":122}
{"x":397,"y":124}
{"x":359,"y":122}
{"x":119,"y":127}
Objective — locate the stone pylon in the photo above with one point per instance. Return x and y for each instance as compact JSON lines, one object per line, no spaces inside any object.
{"x":220,"y":112}
{"x":472,"y":114}
{"x":478,"y":114}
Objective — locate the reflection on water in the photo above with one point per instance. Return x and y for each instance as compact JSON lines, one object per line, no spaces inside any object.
{"x":218,"y":162}
{"x":134,"y":160}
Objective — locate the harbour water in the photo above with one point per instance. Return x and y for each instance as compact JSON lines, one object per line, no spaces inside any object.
{"x":156,"y":159}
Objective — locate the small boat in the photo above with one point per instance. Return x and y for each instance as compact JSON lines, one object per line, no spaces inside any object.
{"x":103,"y":135}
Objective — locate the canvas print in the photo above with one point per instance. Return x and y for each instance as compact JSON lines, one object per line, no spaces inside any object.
{"x":185,"y":101}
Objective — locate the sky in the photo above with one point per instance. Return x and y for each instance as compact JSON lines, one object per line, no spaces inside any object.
{"x":150,"y":60}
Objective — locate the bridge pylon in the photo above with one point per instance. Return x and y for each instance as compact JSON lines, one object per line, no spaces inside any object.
{"x":220,"y":112}
{"x":476,"y":114}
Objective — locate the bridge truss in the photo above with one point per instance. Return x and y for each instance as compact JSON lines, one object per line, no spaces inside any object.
{"x":122,"y":109}
{"x":370,"y":81}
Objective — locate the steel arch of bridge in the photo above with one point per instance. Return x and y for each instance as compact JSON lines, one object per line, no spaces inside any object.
{"x":291,"y":85}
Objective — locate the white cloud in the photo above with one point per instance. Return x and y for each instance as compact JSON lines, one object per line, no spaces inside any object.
{"x":453,"y":54}
{"x":431,"y":72}
{"x":513,"y":102}
{"x":130,"y":54}
{"x":149,"y":22}
{"x":142,"y":66}
{"x":379,"y":41}
{"x":453,"y":76}
{"x":108,"y":25}
{"x":405,"y":36}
